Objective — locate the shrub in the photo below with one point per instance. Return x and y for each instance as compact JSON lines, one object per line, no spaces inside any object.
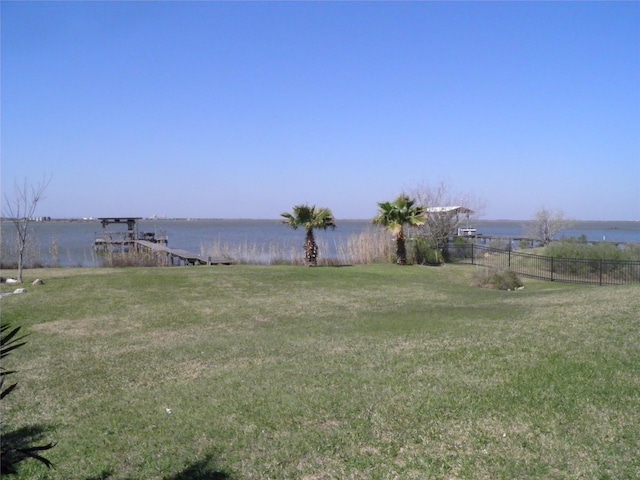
{"x":524,"y":244}
{"x":498,"y":279}
{"x":500,"y":243}
{"x":602,"y":251}
{"x":424,"y":251}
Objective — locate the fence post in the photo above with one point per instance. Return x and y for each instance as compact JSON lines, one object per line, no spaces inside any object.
{"x":600,"y":272}
{"x":552,"y":269}
{"x":509,"y":259}
{"x":473,"y":262}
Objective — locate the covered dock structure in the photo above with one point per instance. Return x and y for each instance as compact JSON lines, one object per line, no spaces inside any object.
{"x":132,"y":240}
{"x":451,"y":216}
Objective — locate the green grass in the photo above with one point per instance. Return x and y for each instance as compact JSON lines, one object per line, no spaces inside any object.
{"x":366,"y":372}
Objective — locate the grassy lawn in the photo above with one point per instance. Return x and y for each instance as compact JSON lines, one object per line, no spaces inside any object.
{"x":366,"y":372}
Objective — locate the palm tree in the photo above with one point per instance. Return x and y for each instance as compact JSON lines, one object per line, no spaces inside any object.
{"x":309,"y":218}
{"x":394,"y":215}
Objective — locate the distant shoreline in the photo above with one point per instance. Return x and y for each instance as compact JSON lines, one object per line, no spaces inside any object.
{"x":188,"y":219}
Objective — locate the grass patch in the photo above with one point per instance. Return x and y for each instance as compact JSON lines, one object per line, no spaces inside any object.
{"x":364,"y":372}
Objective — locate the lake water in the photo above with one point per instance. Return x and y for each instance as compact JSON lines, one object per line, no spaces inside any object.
{"x":74,"y":239}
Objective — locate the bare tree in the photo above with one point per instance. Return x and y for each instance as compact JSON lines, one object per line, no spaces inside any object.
{"x":20,"y":209}
{"x":546,"y":224}
{"x":446,"y":210}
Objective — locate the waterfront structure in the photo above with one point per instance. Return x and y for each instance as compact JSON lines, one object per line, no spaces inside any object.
{"x":131,"y":240}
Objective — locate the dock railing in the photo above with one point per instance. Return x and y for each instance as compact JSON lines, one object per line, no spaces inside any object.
{"x":573,"y":270}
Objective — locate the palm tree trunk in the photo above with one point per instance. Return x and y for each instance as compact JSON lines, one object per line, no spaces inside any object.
{"x":311,"y":250}
{"x":401,"y":248}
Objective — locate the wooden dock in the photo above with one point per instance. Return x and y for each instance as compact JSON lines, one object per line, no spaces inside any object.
{"x":131,"y":240}
{"x":183,"y":257}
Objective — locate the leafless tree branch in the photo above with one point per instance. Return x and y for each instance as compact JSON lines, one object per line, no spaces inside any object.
{"x":20,"y":209}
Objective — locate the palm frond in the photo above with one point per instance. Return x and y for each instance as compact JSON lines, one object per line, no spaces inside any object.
{"x":8,"y":390}
{"x":309,"y":217}
{"x":11,"y":453}
{"x":7,"y":340}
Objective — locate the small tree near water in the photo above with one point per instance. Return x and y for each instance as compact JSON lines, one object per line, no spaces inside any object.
{"x":394,"y":216}
{"x":546,"y":225}
{"x":20,"y":210}
{"x":310,"y":218}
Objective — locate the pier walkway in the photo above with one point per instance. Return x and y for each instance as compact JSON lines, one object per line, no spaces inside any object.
{"x":182,"y":256}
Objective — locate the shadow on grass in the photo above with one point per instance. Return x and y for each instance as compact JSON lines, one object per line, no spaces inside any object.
{"x":200,"y":470}
{"x":25,"y":443}
{"x":104,"y":475}
{"x":25,"y":436}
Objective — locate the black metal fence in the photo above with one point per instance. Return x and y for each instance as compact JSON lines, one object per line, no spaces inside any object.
{"x":574,"y":270}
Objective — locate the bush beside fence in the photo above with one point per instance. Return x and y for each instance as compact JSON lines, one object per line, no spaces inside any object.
{"x":573,"y":270}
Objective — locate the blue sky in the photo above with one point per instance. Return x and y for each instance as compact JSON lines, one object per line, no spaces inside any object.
{"x":242,"y":110}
